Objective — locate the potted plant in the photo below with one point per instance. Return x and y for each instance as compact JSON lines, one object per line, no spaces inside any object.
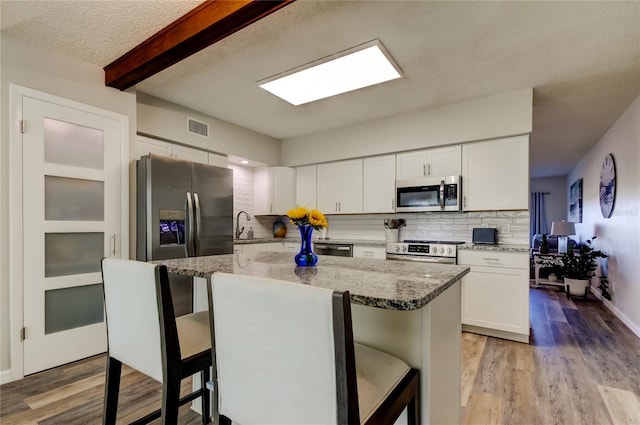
{"x":579,"y":267}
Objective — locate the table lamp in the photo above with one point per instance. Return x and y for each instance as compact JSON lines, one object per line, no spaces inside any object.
{"x":562,"y":229}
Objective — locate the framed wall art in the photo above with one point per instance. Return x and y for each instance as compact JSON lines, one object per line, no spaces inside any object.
{"x":575,"y":201}
{"x":607,"y":186}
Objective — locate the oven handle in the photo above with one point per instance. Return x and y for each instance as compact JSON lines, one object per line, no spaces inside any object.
{"x":442,"y":195}
{"x":421,"y":259}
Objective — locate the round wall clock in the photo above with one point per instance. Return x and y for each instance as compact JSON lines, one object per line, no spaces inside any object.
{"x":607,"y":186}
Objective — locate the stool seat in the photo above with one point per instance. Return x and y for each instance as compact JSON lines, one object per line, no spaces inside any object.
{"x":377,"y":373}
{"x":194,"y":334}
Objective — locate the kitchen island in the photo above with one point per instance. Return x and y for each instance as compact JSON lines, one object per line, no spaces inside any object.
{"x":408,"y":309}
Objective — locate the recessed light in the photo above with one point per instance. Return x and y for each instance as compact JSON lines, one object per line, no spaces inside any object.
{"x":361,"y":66}
{"x":244,"y":161}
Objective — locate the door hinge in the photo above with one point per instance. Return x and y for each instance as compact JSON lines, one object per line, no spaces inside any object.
{"x":23,"y":126}
{"x":23,"y":334}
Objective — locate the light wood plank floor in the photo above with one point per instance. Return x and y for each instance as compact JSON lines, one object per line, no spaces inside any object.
{"x":583,"y":367}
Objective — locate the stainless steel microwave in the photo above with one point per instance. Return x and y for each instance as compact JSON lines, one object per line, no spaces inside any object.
{"x":429,"y":194}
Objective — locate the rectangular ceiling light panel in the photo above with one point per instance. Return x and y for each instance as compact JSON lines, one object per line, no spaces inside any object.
{"x":359,"y":67}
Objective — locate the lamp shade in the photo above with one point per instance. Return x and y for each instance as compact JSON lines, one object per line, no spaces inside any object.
{"x":563,"y":228}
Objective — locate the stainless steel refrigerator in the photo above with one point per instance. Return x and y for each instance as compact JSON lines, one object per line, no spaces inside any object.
{"x":184,"y":209}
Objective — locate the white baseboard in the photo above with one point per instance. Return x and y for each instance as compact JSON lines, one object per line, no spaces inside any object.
{"x":620,"y":315}
{"x":5,"y":376}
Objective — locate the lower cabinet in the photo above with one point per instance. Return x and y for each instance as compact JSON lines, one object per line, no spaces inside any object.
{"x":250,"y":248}
{"x":495,"y":294}
{"x":361,"y":251}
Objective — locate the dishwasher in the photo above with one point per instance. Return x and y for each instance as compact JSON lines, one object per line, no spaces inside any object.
{"x":336,"y":249}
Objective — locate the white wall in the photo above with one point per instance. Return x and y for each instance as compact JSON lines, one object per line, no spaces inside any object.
{"x":166,"y":120}
{"x":618,"y":236}
{"x":46,"y":71}
{"x":556,"y":201}
{"x":492,"y":117}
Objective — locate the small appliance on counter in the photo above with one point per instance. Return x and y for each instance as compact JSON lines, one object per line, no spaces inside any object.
{"x":485,"y":235}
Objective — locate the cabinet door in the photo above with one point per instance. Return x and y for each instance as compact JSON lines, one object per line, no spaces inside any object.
{"x":379,"y":184}
{"x":369,"y":252}
{"x":495,"y":174}
{"x":190,"y":154}
{"x":350,"y":186}
{"x":411,"y":165}
{"x":328,"y":187}
{"x":306,"y":186}
{"x":283,"y":189}
{"x":261,"y":247}
{"x":261,"y":191}
{"x":147,"y":145}
{"x":496,"y":298}
{"x":445,"y":161}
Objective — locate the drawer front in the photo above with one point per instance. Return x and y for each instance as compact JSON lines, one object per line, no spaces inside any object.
{"x":369,"y":252}
{"x":513,"y":260}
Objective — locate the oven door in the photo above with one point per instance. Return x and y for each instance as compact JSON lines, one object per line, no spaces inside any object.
{"x":422,"y":258}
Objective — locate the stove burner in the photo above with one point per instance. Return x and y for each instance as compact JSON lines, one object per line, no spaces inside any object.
{"x":434,"y":242}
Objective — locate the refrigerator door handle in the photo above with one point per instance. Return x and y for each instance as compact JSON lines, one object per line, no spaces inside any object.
{"x":198,"y":226}
{"x":189,"y":224}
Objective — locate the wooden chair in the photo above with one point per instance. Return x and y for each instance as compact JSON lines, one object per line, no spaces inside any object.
{"x":144,"y":334}
{"x":285,"y":355}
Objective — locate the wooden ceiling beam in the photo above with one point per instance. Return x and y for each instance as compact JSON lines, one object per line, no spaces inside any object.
{"x":205,"y":25}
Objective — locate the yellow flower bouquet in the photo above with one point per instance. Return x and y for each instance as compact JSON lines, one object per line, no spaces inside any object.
{"x":307,"y":220}
{"x":303,"y":217}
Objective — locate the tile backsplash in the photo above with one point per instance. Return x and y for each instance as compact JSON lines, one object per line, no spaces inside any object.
{"x":513,"y":226}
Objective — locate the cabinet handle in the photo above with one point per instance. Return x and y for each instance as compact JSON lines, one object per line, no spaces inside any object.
{"x":464,"y":199}
{"x":424,"y":169}
{"x":428,"y":169}
{"x":491,"y":259}
{"x":340,"y":206}
{"x":113,"y":245}
{"x":392,"y":204}
{"x":336,"y":208}
{"x":270,"y":207}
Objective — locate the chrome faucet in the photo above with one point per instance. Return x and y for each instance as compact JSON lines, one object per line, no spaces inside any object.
{"x":238,"y":229}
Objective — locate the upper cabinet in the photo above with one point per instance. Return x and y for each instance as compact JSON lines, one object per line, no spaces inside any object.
{"x":274,"y":190}
{"x":495,"y":174}
{"x":306,"y":186}
{"x":147,"y":145}
{"x":339,"y":187}
{"x":379,"y":184}
{"x":437,"y":162}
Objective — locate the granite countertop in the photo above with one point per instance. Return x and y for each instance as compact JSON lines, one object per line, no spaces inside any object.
{"x":391,"y":285}
{"x":359,"y":242}
{"x":500,"y":248}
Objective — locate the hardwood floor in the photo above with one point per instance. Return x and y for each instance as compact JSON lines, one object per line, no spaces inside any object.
{"x":583,"y":367}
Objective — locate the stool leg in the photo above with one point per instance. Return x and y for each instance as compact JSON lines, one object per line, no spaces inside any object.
{"x":170,"y":400}
{"x":111,"y":391}
{"x":206,"y":396}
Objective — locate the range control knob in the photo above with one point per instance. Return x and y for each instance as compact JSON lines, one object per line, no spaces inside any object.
{"x":397,"y":248}
{"x":441,"y":250}
{"x":449,"y":250}
{"x":404,"y":248}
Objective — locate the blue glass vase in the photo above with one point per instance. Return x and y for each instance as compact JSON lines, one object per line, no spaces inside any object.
{"x":306,"y":257}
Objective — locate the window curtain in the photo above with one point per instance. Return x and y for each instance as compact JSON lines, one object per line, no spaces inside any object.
{"x":537,"y":216}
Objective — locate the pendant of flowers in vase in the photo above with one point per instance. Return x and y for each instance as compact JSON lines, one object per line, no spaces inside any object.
{"x":307,"y":221}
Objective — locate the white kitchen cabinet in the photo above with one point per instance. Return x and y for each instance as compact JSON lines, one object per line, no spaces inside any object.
{"x":495,"y":174}
{"x":217,"y":160}
{"x":146,"y":145}
{"x":339,"y":187}
{"x":495,"y":294}
{"x":291,"y":247}
{"x":361,"y":251}
{"x":379,"y":184}
{"x":250,"y":248}
{"x":274,"y":190}
{"x":306,"y":186}
{"x":436,"y":162}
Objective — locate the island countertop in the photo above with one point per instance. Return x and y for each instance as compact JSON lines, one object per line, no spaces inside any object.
{"x":391,"y":285}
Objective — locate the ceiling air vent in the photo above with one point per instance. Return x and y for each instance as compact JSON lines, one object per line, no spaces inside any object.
{"x":197,"y":128}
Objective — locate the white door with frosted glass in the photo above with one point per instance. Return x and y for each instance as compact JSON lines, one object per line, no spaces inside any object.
{"x":71,"y":211}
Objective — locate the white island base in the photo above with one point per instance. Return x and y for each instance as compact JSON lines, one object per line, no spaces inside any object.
{"x":427,"y":339}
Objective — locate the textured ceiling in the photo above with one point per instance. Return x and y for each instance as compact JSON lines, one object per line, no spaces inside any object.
{"x":581,"y":58}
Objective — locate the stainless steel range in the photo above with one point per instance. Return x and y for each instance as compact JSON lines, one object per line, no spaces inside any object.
{"x":443,"y":252}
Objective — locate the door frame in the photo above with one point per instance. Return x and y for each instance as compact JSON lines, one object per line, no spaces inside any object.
{"x":16,"y":259}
